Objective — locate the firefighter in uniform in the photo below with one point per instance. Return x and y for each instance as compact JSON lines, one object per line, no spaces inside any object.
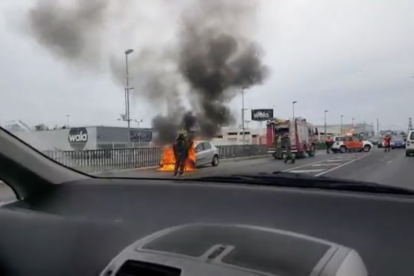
{"x":278,"y":146}
{"x":288,"y":144}
{"x":180,"y":149}
{"x":329,"y":143}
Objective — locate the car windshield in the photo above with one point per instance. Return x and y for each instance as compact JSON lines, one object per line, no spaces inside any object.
{"x":158,"y":89}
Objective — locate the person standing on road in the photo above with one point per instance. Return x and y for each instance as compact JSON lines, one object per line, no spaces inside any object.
{"x":180,"y":149}
{"x":278,"y":146}
{"x":387,"y":143}
{"x":288,"y":144}
{"x":329,"y":143}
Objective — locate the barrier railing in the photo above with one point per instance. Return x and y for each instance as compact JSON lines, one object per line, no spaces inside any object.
{"x":91,"y":161}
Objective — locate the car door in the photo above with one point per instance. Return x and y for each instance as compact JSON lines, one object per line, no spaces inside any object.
{"x":199,"y":152}
{"x":208,"y":153}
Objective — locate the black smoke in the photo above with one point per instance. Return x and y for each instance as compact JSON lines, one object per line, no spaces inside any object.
{"x":191,"y":79}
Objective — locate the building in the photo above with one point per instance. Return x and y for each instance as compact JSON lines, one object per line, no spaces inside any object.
{"x":234,"y":136}
{"x":84,"y":138}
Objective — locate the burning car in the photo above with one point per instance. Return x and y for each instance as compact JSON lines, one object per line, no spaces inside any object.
{"x":201,"y":153}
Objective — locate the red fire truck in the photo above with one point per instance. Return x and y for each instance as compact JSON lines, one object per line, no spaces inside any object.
{"x":303,"y":136}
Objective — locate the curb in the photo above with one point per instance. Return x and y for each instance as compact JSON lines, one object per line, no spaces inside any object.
{"x":154,"y":167}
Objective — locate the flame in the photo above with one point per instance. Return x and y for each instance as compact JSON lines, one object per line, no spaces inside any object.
{"x":168,"y":160}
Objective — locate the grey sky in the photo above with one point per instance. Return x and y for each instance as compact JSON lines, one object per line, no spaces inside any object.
{"x":351,"y":57}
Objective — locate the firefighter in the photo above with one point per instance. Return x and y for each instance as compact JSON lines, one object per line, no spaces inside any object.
{"x":180,"y":148}
{"x":329,"y":143}
{"x":387,"y":143}
{"x":288,"y":144}
{"x":278,"y":146}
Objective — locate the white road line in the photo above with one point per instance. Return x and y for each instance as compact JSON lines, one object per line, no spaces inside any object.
{"x":306,"y":165}
{"x":327,"y":164}
{"x":306,"y":171}
{"x":347,"y":163}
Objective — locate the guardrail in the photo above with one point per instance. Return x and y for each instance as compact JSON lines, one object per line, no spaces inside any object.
{"x":92,"y":161}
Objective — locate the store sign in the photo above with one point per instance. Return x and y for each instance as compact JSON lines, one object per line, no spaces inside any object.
{"x":78,"y":138}
{"x":262,"y":114}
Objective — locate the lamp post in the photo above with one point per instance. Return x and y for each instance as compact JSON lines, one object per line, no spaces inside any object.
{"x":242,"y":116}
{"x":67,"y":120}
{"x":293,"y":109}
{"x":341,"y":125}
{"x":326,"y":111}
{"x":127,"y":89}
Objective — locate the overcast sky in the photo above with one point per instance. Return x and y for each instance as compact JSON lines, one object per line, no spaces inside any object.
{"x":351,"y":57}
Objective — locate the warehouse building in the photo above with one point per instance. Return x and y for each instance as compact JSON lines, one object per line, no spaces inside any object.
{"x":84,"y":138}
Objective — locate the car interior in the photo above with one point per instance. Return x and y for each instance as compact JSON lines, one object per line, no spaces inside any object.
{"x":65,"y":222}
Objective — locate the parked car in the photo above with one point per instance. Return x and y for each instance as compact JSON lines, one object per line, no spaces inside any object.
{"x":206,"y":153}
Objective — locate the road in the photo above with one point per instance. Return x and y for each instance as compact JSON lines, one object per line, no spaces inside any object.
{"x":392,"y":168}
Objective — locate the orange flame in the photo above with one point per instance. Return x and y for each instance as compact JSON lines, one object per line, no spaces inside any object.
{"x":168,"y":160}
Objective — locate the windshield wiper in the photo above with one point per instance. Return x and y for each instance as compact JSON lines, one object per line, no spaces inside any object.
{"x":283,"y":179}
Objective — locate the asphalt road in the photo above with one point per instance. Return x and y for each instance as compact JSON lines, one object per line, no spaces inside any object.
{"x":392,"y":168}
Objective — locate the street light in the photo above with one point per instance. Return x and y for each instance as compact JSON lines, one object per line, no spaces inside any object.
{"x":242,"y":114}
{"x":326,"y":111}
{"x":353,"y":122}
{"x":127,"y":88}
{"x":293,"y":109}
{"x":138,"y":122}
{"x":67,"y":120}
{"x":341,"y":124}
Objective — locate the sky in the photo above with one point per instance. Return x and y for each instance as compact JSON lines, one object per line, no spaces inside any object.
{"x":351,"y":57}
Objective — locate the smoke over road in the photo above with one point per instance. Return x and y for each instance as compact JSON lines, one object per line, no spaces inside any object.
{"x":209,"y":62}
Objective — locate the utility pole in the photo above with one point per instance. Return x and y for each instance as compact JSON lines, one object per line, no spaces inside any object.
{"x":410,"y":125}
{"x":341,"y":125}
{"x":67,"y":120}
{"x":326,"y":111}
{"x":127,"y":89}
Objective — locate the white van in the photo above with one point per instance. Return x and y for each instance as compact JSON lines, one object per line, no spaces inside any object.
{"x":409,"y":145}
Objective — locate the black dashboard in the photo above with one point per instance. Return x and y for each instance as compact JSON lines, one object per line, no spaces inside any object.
{"x":78,"y":228}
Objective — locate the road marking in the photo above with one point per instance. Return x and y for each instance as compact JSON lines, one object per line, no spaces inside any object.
{"x":306,"y":171}
{"x":389,"y":161}
{"x":327,"y":164}
{"x":347,"y":163}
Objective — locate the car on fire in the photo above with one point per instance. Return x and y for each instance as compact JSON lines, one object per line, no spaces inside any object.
{"x":206,"y":153}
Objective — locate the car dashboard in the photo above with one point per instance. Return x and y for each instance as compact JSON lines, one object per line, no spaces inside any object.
{"x":174,"y":227}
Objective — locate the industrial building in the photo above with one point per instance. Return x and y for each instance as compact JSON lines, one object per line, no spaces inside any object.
{"x":84,"y":138}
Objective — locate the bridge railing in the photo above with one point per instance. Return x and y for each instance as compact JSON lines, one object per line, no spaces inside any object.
{"x":102,"y":160}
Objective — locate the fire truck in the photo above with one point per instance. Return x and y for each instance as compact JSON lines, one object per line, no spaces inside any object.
{"x":303,"y":136}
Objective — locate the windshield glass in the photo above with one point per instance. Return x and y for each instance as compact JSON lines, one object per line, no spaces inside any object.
{"x":217,"y":88}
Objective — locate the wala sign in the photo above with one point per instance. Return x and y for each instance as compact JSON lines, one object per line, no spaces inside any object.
{"x":78,"y":138}
{"x":262,"y":114}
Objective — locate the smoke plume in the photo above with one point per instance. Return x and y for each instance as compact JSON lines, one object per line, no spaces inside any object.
{"x":191,"y":79}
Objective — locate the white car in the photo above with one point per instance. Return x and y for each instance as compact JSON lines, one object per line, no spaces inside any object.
{"x":347,"y":144}
{"x":206,"y":153}
{"x":409,"y":145}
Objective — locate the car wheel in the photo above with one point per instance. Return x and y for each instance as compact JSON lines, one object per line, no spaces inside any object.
{"x":407,"y":154}
{"x":342,"y":149}
{"x":215,"y":161}
{"x":367,"y":148}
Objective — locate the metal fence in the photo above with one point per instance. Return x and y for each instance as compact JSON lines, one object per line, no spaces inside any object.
{"x":102,"y":160}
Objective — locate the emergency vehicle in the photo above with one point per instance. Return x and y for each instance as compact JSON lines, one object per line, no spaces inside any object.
{"x":350,"y":143}
{"x":303,"y":136}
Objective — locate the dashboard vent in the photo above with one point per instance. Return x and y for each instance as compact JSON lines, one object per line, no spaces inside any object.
{"x":133,"y":268}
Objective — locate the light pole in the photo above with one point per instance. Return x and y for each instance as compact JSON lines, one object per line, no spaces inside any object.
{"x":326,"y":111}
{"x":67,"y":120}
{"x":341,"y":125}
{"x":293,"y":109}
{"x":138,"y":122}
{"x":242,"y":115}
{"x":353,"y":122}
{"x":127,"y":88}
